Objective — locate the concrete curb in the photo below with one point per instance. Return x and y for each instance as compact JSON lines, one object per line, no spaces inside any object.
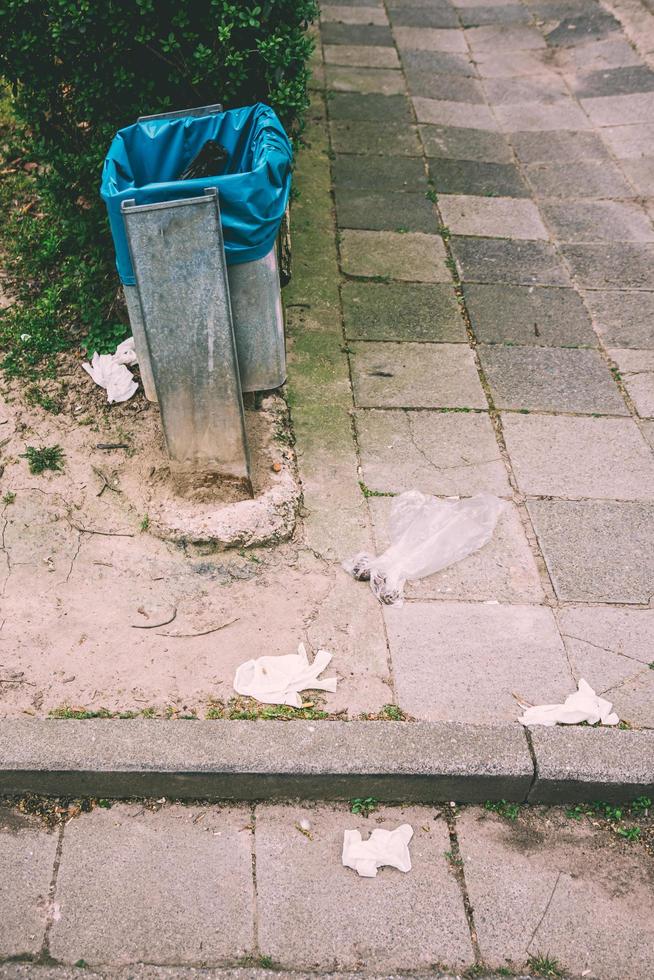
{"x":331,"y":760}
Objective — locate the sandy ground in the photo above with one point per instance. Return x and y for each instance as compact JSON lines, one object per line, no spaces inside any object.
{"x":84,"y":587}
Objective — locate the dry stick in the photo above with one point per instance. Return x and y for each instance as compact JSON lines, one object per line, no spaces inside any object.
{"x":213,"y":629}
{"x":106,"y":482}
{"x":110,"y":534}
{"x":152,"y":626}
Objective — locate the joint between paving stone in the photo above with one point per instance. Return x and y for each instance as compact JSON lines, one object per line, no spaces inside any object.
{"x":44,"y":956}
{"x":457,"y":868}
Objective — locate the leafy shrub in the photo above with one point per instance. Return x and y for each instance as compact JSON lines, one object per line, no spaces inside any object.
{"x":80,"y":70}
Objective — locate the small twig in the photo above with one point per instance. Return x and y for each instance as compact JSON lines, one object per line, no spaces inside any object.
{"x":106,"y":482}
{"x":213,"y":629}
{"x":110,"y":534}
{"x":112,"y":445}
{"x":151,"y":626}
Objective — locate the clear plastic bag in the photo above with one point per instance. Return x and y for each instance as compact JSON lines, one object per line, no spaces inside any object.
{"x":427,"y":534}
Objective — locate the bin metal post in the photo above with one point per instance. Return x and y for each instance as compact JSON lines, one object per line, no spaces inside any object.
{"x":258,"y":322}
{"x":181,"y":278}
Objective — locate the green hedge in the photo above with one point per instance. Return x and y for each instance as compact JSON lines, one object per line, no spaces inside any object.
{"x":78,"y":70}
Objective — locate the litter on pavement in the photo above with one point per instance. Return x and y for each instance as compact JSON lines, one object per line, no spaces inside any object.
{"x":110,"y":372}
{"x":279,"y":680}
{"x":583,"y":705}
{"x":427,"y":534}
{"x":383,"y":847}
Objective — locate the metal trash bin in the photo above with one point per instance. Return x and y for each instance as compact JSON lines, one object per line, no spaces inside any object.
{"x":143,"y":165}
{"x":198,"y":261}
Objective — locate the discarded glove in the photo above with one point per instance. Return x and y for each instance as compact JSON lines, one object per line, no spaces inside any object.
{"x":110,"y":372}
{"x":583,"y":705}
{"x":426,"y":534}
{"x":383,"y":847}
{"x":278,"y":680}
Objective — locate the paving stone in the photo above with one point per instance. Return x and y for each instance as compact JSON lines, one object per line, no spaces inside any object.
{"x":391,"y":139}
{"x":500,"y":38}
{"x":512,"y":64}
{"x":452,"y":88}
{"x":492,"y":217}
{"x":480,"y":16}
{"x":455,"y":660}
{"x":442,"y":453}
{"x":609,"y":646}
{"x":623,"y":319}
{"x":352,"y":107}
{"x":619,"y":265}
{"x":567,"y":146}
{"x":612,"y":52}
{"x":620,"y":110}
{"x":534,"y":315}
{"x":415,"y":376}
{"x":504,"y":570}
{"x":401,"y":311}
{"x":640,"y":173}
{"x":579,"y":457}
{"x":438,"y":63}
{"x":545,"y":873}
{"x":477,"y":178}
{"x":636,"y":369}
{"x":316,"y":914}
{"x":633,"y":698}
{"x":430,"y":39}
{"x":467,"y":115}
{"x":385,"y":210}
{"x":544,"y":89}
{"x":537,"y":118}
{"x":27,"y":855}
{"x":355,"y":14}
{"x":630,"y":142}
{"x":341,"y":78}
{"x":598,"y":221}
{"x":597,"y":550}
{"x":647,"y":428}
{"x":457,"y":143}
{"x":414,"y":257}
{"x":497,"y":260}
{"x":443,"y":16}
{"x":576,"y":30}
{"x":361,"y":56}
{"x":356,"y":34}
{"x":380,"y":173}
{"x":616,"y":81}
{"x":112,"y":864}
{"x":550,"y":379}
{"x":586,"y":178}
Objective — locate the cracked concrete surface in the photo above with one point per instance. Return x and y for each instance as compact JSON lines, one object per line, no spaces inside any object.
{"x":268,"y":889}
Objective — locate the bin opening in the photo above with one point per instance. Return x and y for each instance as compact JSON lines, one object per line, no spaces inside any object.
{"x":147,"y":162}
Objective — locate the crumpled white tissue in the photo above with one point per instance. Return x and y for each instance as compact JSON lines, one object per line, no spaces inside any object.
{"x":426,"y":534}
{"x":278,"y":680}
{"x":383,"y":847}
{"x":110,"y":371}
{"x":583,"y":705}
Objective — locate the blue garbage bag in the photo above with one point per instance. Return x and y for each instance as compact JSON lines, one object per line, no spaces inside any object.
{"x":145,"y":160}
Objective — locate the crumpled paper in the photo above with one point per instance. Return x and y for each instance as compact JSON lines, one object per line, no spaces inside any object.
{"x":110,"y":371}
{"x":383,"y":847}
{"x":278,"y":680}
{"x":583,"y":705}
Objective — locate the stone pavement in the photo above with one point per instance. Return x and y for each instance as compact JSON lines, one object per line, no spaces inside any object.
{"x":493,"y":178}
{"x":239,"y":886}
